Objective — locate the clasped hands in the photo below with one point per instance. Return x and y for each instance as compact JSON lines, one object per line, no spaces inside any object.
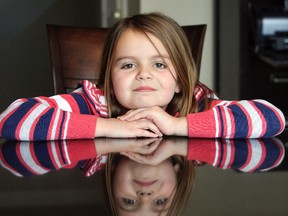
{"x":144,"y":122}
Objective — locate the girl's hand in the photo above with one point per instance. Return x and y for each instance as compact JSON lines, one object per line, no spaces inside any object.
{"x":167,"y":124}
{"x":167,"y":148}
{"x":126,"y":129}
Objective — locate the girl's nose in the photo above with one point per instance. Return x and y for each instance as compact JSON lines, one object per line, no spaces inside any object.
{"x":144,"y":74}
{"x":144,"y":193}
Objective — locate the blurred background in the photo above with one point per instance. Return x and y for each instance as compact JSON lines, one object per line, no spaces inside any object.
{"x":24,"y":55}
{"x":244,"y":57}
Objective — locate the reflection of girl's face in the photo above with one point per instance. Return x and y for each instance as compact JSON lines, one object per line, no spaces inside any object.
{"x":144,"y":189}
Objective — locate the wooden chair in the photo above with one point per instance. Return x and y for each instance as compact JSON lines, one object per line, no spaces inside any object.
{"x":75,"y":53}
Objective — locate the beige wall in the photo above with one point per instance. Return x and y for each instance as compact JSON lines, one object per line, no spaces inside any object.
{"x":187,"y":12}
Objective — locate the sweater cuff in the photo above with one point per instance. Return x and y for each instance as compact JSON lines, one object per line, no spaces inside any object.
{"x":203,"y":150}
{"x":81,"y":126}
{"x":201,"y":124}
{"x":81,"y":150}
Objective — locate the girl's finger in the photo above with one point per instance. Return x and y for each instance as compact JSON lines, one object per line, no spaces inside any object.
{"x":153,"y":128}
{"x":148,"y":141}
{"x":132,"y":115}
{"x":146,"y":150}
{"x":132,"y":156}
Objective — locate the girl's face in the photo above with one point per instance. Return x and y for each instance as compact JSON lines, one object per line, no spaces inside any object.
{"x":144,"y":189}
{"x":142,"y":76}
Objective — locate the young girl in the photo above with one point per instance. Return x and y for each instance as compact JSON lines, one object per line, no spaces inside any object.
{"x":147,"y":88}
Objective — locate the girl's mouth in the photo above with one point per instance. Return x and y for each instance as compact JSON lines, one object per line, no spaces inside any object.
{"x":145,"y":183}
{"x":144,"y":89}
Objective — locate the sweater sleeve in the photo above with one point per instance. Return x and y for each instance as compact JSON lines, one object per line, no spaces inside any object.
{"x":246,"y":155}
{"x":237,"y":119}
{"x":24,"y":158}
{"x":67,"y":116}
{"x":203,"y":150}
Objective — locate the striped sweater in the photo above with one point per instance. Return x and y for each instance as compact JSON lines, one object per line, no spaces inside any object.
{"x":23,"y":158}
{"x":74,"y":116}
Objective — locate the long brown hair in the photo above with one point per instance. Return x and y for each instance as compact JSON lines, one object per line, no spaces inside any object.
{"x":175,"y":42}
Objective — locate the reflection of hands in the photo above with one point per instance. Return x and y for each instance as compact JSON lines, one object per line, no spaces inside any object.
{"x":140,"y":146}
{"x":167,"y":148}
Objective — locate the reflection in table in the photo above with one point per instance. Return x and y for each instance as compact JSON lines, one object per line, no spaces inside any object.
{"x":67,"y":176}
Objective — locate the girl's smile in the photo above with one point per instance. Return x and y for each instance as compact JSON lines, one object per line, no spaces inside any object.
{"x":144,"y":183}
{"x":143,"y":74}
{"x":144,"y":89}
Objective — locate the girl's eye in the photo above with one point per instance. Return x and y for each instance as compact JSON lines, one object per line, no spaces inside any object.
{"x":129,"y":201}
{"x":160,"y":201}
{"x":160,"y":65}
{"x":128,"y":66}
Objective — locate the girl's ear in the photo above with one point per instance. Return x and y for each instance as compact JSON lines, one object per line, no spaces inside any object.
{"x":177,"y":89}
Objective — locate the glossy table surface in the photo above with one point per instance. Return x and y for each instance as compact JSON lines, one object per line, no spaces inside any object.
{"x":232,"y":184}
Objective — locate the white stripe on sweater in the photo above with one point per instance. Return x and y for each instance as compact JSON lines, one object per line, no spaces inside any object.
{"x":26,"y":127}
{"x":28,"y":158}
{"x":228,"y":122}
{"x":54,"y":127}
{"x":55,"y":155}
{"x":257,"y":124}
{"x":256,"y":156}
{"x":228,"y":154}
{"x":66,"y":125}
{"x":217,"y":132}
{"x":62,"y":103}
{"x":10,"y":169}
{"x":66,"y":153}
{"x":216,"y":153}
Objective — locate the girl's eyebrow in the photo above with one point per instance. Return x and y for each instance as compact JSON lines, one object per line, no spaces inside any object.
{"x":161,"y":56}
{"x":120,"y":58}
{"x":123,"y":58}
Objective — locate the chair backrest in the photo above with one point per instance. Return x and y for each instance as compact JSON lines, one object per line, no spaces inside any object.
{"x":75,"y":53}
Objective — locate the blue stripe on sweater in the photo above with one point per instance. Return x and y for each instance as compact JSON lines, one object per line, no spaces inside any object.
{"x":61,"y":126}
{"x":42,"y":154}
{"x":10,"y":125}
{"x":84,"y":109}
{"x":42,"y":126}
{"x":60,"y":144}
{"x":10,"y":156}
{"x":241,"y":122}
{"x":241,"y":153}
{"x":272,"y":154}
{"x":221,"y":121}
{"x":272,"y":126}
{"x":221,"y":153}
